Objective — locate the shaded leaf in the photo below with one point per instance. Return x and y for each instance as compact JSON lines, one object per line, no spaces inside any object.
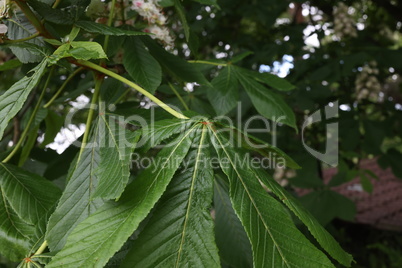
{"x":174,"y":64}
{"x":93,"y":27}
{"x":275,"y":240}
{"x":326,"y":241}
{"x":231,"y":239}
{"x":182,"y":15}
{"x":141,"y":66}
{"x":267,"y":103}
{"x":224,"y":93}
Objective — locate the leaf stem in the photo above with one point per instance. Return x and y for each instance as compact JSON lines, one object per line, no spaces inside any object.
{"x":63,"y":86}
{"x":9,"y":41}
{"x":133,"y":85}
{"x":41,"y":248}
{"x":56,"y":3}
{"x":31,"y":119}
{"x":208,"y":62}
{"x":179,"y":97}
{"x":94,"y":101}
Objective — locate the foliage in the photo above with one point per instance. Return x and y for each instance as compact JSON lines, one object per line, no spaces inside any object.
{"x":166,"y":173}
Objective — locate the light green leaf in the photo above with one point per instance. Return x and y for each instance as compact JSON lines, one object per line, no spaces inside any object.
{"x":93,"y":27}
{"x":275,"y":240}
{"x":182,"y":15}
{"x":30,"y":195}
{"x":53,"y":42}
{"x":326,"y":241}
{"x":116,"y":145}
{"x":180,"y":231}
{"x":87,"y":50}
{"x":73,"y":34}
{"x":267,"y":103}
{"x":14,"y":232}
{"x":76,"y":203}
{"x":231,"y":239}
{"x":155,"y":133}
{"x":13,"y":99}
{"x":95,"y":240}
{"x":141,"y":66}
{"x":224,"y":93}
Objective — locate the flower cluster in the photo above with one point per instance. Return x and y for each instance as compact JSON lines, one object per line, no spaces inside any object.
{"x":152,"y":13}
{"x":343,"y":22}
{"x":367,"y":84}
{"x":282,"y":176}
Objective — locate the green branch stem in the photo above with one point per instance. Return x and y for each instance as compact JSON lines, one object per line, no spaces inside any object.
{"x":94,"y":101}
{"x":63,"y":86}
{"x":9,"y":41}
{"x":208,"y":62}
{"x":31,"y":120}
{"x":41,"y":248}
{"x":132,"y":85}
{"x":179,"y":97}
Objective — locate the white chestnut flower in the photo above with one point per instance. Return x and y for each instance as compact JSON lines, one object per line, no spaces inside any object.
{"x":3,"y":28}
{"x":367,"y":84}
{"x":344,"y":24}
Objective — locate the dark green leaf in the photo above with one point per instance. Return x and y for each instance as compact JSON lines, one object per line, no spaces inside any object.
{"x":13,"y":99}
{"x":10,"y":64}
{"x":208,"y":2}
{"x":180,"y":231}
{"x":275,"y":240}
{"x":273,"y":81}
{"x":96,"y":239}
{"x":182,"y":15}
{"x":224,"y":93}
{"x":54,"y":122}
{"x":141,"y":66}
{"x":116,"y":145}
{"x":323,"y":237}
{"x":241,"y":56}
{"x":326,"y":205}
{"x":50,"y":14}
{"x":267,"y":103}
{"x":231,"y":239}
{"x":93,"y":27}
{"x":173,"y":64}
